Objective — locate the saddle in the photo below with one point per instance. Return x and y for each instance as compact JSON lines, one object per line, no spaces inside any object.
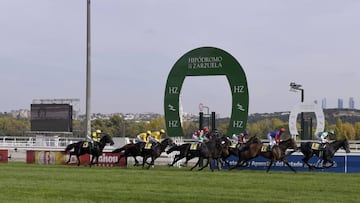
{"x":318,"y":146}
{"x":148,"y":145}
{"x":234,"y":145}
{"x":91,"y":146}
{"x":265,"y":148}
{"x":194,"y":146}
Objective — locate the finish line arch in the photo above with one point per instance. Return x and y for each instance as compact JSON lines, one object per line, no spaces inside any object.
{"x":207,"y":61}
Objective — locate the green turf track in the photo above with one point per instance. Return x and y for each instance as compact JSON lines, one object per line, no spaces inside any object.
{"x":21,"y":182}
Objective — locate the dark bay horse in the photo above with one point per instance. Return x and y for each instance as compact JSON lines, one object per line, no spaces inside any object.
{"x":131,"y":149}
{"x":154,"y":151}
{"x":183,"y":150}
{"x":278,"y":152}
{"x":248,"y":151}
{"x":326,"y":155}
{"x":85,"y":147}
{"x":211,"y":150}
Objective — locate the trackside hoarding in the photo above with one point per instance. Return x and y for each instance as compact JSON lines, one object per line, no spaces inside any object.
{"x":344,"y":163}
{"x":4,"y":154}
{"x":107,"y":159}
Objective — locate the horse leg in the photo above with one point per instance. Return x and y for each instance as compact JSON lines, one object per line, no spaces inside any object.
{"x":152,"y":162}
{"x":197,"y":163}
{"x":219,"y":164}
{"x":238,"y":163}
{"x":306,"y":161}
{"x":136,"y":161}
{"x":92,"y":160}
{"x":176,"y":159}
{"x":271,"y":163}
{"x":207,"y":163}
{"x":68,"y":161}
{"x":78,"y":159}
{"x":287,"y":163}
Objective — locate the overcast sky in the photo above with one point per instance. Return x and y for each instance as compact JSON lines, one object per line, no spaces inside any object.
{"x":135,"y":44}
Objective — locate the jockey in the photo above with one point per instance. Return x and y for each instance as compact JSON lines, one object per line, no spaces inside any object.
{"x":198,"y":135}
{"x":274,"y":137}
{"x":322,"y":137}
{"x":95,"y":136}
{"x":143,"y":137}
{"x":206,"y":131}
{"x":241,"y":137}
{"x":157,"y":135}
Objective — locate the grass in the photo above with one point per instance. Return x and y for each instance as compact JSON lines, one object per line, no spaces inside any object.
{"x":53,"y":183}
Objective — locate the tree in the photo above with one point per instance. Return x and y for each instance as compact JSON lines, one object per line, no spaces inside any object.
{"x":357,"y":131}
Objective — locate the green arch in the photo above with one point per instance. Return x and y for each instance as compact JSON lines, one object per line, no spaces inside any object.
{"x":207,"y":61}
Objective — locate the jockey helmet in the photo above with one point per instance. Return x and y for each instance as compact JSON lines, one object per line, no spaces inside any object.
{"x":206,"y":129}
{"x":98,"y":131}
{"x":282,"y":130}
{"x":148,"y":132}
{"x":331,"y":132}
{"x":246,"y":132}
{"x":162,"y":131}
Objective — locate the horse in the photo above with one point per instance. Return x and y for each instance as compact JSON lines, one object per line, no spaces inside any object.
{"x":154,"y":150}
{"x":326,"y":155}
{"x":248,"y":151}
{"x":278,"y":152}
{"x":183,"y":149}
{"x":211,"y":150}
{"x":86,"y":147}
{"x":131,"y":149}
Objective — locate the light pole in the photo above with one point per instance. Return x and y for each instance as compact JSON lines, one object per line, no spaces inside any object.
{"x":295,"y":87}
{"x":88,"y":73}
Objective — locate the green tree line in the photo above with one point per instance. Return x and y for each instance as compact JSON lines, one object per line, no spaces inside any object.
{"x":118,"y":127}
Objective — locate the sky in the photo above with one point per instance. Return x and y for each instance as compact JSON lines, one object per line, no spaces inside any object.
{"x":134,"y":45}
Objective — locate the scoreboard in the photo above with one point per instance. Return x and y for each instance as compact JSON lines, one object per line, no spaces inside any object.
{"x":51,"y":117}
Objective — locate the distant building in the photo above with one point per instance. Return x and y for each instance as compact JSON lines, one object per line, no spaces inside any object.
{"x":323,"y":103}
{"x":351,"y":103}
{"x":340,"y":104}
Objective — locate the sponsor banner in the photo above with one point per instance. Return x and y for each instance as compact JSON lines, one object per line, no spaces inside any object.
{"x":343,"y":164}
{"x":4,"y":154}
{"x":48,"y":157}
{"x":30,"y":156}
{"x":84,"y":159}
{"x":109,"y":159}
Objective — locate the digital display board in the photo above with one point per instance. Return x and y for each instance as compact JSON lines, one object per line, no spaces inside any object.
{"x":51,"y":117}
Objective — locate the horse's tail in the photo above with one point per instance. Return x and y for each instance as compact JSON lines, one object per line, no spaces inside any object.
{"x":70,"y":147}
{"x":118,"y":150}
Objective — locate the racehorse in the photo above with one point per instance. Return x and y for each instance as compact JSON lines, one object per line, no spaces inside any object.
{"x":85,"y":147}
{"x":246,"y":152}
{"x":131,"y":149}
{"x":278,"y":152}
{"x":211,"y":150}
{"x":326,"y":155}
{"x":183,"y":149}
{"x":154,"y":150}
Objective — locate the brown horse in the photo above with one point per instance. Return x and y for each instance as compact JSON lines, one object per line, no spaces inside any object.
{"x":131,"y":149}
{"x":213,"y":149}
{"x":278,"y":152}
{"x":247,"y":152}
